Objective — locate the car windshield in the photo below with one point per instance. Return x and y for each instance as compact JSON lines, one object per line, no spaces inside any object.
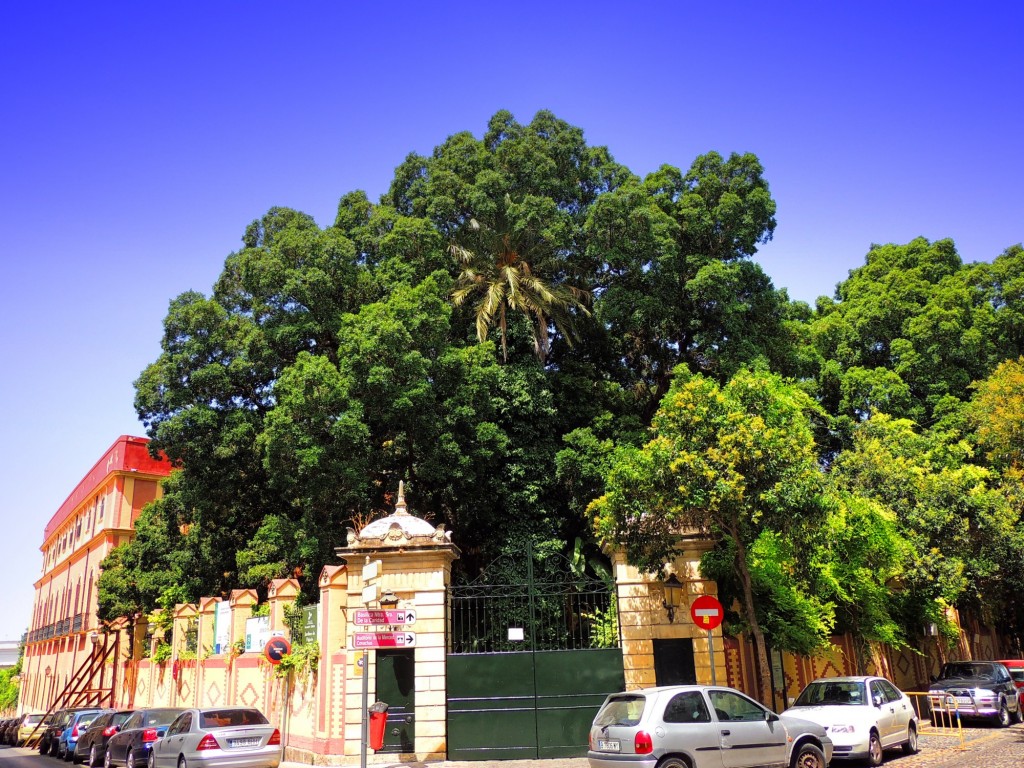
{"x":620,"y":710}
{"x":968,"y":669}
{"x":32,"y":719}
{"x":829,"y":692}
{"x":229,"y":718}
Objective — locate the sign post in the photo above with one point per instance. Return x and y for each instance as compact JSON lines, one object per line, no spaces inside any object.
{"x":371,"y":592}
{"x":707,"y":613}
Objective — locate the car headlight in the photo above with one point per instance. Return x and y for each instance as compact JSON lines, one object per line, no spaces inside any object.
{"x":844,"y":728}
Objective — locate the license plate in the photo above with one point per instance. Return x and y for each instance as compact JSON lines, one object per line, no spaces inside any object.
{"x":244,"y":742}
{"x":608,"y":745}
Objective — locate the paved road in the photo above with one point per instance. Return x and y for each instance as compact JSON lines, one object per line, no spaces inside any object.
{"x":984,"y":748}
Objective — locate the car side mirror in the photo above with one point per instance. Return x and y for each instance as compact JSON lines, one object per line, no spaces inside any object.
{"x":876,"y":700}
{"x":770,"y":717}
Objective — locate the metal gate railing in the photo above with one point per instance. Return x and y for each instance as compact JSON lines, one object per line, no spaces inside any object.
{"x":525,"y":604}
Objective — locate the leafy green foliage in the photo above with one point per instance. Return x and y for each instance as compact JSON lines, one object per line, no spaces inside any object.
{"x":549,"y":364}
{"x":737,"y":462}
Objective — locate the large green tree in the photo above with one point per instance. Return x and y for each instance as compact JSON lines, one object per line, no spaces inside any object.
{"x":736,"y":462}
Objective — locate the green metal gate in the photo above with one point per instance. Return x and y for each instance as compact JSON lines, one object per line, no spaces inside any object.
{"x":534,"y":649}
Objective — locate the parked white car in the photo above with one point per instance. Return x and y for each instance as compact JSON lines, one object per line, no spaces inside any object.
{"x":863,"y":716}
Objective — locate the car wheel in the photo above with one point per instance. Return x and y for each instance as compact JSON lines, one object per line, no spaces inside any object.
{"x":152,"y":759}
{"x":107,"y":762}
{"x":673,"y":762}
{"x":130,"y":763}
{"x":910,"y":746}
{"x":93,"y":755}
{"x":875,"y":755}
{"x":1003,"y":718}
{"x":44,"y":747}
{"x":182,"y":763}
{"x":808,"y":756}
{"x":55,"y":749}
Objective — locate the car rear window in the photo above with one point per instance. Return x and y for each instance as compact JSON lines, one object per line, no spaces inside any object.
{"x":32,"y":719}
{"x":621,"y":710}
{"x":159,"y":717}
{"x":229,"y":718}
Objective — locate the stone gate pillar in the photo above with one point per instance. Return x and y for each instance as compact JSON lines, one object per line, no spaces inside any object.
{"x":643,"y":618}
{"x":415,"y":565}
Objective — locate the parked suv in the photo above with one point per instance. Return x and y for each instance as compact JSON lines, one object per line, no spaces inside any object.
{"x":1016,"y":668}
{"x":982,"y":689}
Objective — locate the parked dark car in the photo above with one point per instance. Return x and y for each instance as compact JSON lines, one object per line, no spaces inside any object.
{"x":975,"y":689}
{"x":5,"y":729}
{"x":73,"y":730}
{"x":55,"y":724}
{"x":130,"y":745}
{"x":92,"y":745}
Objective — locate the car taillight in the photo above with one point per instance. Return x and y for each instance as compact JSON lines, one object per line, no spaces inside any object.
{"x":110,"y":730}
{"x":74,"y":732}
{"x":150,"y":734}
{"x":275,"y":738}
{"x":642,"y":743}
{"x":208,"y":742}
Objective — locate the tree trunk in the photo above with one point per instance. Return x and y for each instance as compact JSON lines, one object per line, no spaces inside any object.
{"x":764,"y":676}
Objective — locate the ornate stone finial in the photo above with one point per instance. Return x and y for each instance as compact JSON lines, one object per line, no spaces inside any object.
{"x":400,"y":508}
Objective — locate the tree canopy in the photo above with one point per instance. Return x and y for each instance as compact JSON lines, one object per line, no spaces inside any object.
{"x":520,"y":326}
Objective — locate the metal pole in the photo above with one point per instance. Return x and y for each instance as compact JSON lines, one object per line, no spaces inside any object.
{"x":366,"y":706}
{"x":711,"y":652}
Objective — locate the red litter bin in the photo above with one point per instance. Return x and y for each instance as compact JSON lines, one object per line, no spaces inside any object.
{"x":378,"y":719}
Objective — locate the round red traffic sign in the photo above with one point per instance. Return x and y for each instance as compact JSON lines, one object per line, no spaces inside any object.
{"x":706,"y":612}
{"x":276,"y":648}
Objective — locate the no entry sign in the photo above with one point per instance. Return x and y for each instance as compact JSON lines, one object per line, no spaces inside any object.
{"x":706,"y":612}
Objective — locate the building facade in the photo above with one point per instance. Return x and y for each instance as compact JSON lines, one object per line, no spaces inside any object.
{"x":97,"y":516}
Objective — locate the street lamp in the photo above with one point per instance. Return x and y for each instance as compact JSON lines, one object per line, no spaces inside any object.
{"x":673,"y":591}
{"x":388,"y":599}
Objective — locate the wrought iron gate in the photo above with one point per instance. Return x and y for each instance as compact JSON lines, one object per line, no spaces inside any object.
{"x":533,"y":650}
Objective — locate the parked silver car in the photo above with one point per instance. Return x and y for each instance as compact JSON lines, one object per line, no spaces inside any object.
{"x":223,"y":737}
{"x":701,"y":726}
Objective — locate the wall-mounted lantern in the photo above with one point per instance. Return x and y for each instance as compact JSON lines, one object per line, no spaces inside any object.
{"x":388,"y":599}
{"x":673,"y":593}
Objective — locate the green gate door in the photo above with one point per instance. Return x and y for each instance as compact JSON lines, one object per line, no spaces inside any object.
{"x":396,"y":686}
{"x":516,"y":706}
{"x":531,"y":662}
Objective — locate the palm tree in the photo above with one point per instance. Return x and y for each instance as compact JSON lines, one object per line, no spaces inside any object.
{"x":500,"y":271}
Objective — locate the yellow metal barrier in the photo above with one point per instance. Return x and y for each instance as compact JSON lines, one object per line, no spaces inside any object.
{"x":943,"y":715}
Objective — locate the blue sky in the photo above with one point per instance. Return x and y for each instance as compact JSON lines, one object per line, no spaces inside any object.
{"x":138,"y":140}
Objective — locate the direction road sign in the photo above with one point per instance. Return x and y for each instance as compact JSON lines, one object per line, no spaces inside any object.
{"x":706,"y":612}
{"x":383,"y":639}
{"x":276,"y":648}
{"x":373,"y":618}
